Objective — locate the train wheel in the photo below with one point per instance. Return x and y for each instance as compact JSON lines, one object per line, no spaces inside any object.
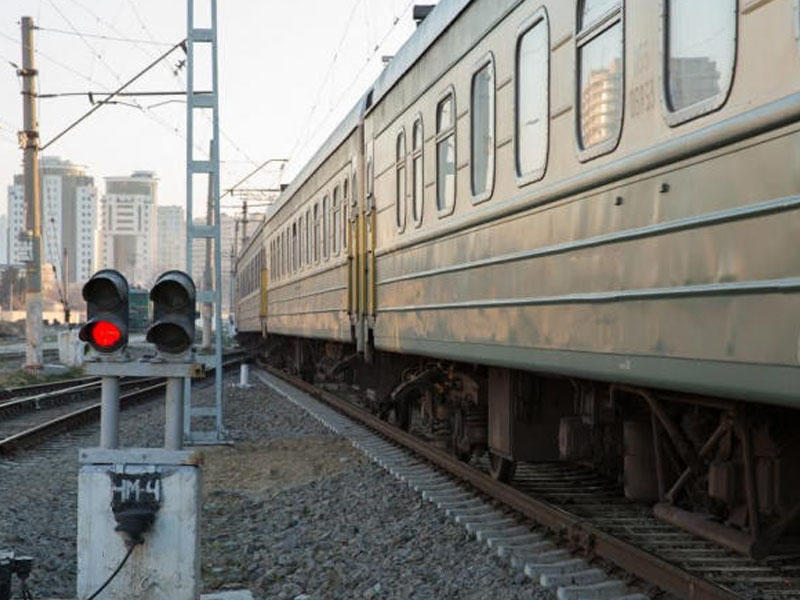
{"x":400,"y":415}
{"x":460,"y":440}
{"x":501,"y":469}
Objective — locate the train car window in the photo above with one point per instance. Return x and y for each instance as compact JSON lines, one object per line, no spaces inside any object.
{"x":304,"y":240}
{"x":446,"y":155}
{"x":594,"y":10}
{"x":600,"y":93}
{"x":400,"y":181}
{"x":326,"y":224}
{"x":700,"y":51}
{"x":336,"y":222}
{"x":482,"y":135}
{"x":284,"y":254}
{"x":315,"y":241}
{"x":295,"y":249}
{"x":279,"y":257}
{"x":345,"y":204}
{"x":300,"y":243}
{"x":309,"y":255}
{"x":532,"y":98}
{"x":417,"y":172}
{"x":288,"y":239}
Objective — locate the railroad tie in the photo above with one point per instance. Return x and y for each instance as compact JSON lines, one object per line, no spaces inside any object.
{"x":540,"y":559}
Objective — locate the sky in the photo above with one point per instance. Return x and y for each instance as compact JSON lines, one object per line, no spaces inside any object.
{"x":289,"y":70}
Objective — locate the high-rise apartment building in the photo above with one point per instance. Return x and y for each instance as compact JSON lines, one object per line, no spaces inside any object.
{"x":69,"y":214}
{"x":128,"y":223}
{"x":171,"y":238}
{"x":18,"y":248}
{"x":3,"y":239}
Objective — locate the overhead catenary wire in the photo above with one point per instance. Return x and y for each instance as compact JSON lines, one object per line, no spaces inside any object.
{"x":222,"y":131}
{"x":115,"y":74}
{"x":100,"y":36}
{"x":175,"y":72}
{"x":102,"y":102}
{"x":283,"y":162}
{"x":329,"y":71}
{"x":147,"y":113}
{"x":49,"y":58}
{"x":147,"y":51}
{"x":368,"y":60}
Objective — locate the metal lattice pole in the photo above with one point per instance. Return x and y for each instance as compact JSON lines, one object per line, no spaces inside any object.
{"x":211,"y":230}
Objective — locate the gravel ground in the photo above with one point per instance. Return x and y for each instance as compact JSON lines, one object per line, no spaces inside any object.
{"x":291,"y":512}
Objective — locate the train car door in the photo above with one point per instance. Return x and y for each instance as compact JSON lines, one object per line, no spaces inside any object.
{"x":264,"y":303}
{"x":353,"y":212}
{"x":367,"y":271}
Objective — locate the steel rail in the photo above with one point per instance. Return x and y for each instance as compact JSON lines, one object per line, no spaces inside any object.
{"x":65,"y":395}
{"x":34,"y":435}
{"x":41,"y":388}
{"x":576,"y":530}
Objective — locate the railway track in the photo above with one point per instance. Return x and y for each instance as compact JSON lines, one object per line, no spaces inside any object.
{"x":48,"y":355}
{"x":24,"y":391}
{"x":589,"y":515}
{"x":28,"y":420}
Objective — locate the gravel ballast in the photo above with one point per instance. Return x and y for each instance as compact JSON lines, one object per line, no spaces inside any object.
{"x":291,"y":511}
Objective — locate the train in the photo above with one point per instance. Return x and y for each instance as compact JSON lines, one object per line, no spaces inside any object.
{"x":565,"y":231}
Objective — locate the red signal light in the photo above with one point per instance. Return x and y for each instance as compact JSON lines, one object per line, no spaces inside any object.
{"x":105,"y":334}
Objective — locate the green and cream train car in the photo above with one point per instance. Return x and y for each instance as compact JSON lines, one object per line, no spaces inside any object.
{"x":568,"y":230}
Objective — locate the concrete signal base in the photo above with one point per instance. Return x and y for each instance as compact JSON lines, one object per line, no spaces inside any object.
{"x":166,"y":566}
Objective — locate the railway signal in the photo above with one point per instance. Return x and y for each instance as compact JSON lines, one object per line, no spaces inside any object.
{"x":106,"y":295}
{"x":173,"y":297}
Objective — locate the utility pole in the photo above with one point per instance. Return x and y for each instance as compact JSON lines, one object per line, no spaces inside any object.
{"x":29,"y":139}
{"x":234,"y":256}
{"x":232,"y":305}
{"x":206,"y":309}
{"x":244,"y":223}
{"x":65,"y":285}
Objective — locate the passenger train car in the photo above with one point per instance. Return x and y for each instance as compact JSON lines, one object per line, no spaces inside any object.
{"x":566,"y":230}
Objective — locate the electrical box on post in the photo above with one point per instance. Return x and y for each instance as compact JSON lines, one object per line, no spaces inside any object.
{"x":149,"y":495}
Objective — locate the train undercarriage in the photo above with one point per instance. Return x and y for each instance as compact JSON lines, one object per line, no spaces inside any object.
{"x":724,"y":470}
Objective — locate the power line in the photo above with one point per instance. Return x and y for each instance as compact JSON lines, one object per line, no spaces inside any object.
{"x":174,"y":72}
{"x":50,"y":58}
{"x":354,"y":80}
{"x":171,"y":128}
{"x":91,"y":48}
{"x":101,"y":37}
{"x":92,"y":94}
{"x":145,"y":110}
{"x":328,"y":73}
{"x":101,"y":103}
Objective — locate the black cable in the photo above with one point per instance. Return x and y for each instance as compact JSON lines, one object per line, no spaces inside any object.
{"x":115,"y":573}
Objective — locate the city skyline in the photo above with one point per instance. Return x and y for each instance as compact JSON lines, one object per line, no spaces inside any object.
{"x":326,"y":78}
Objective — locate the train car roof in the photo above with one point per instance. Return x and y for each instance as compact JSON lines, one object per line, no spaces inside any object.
{"x":415,"y":46}
{"x":437,"y":21}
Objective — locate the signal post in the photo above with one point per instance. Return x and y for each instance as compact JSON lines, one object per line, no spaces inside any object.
{"x":139,"y":508}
